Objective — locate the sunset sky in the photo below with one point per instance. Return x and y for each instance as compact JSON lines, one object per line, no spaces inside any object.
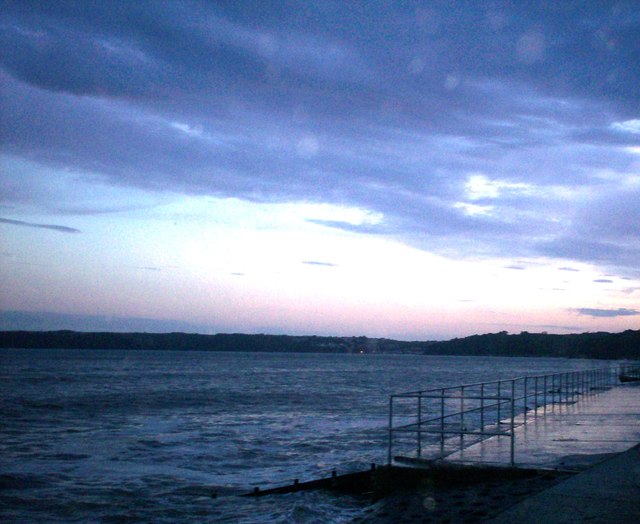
{"x":412,"y":170}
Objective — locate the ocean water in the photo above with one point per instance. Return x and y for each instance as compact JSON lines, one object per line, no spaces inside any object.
{"x":148,"y":436}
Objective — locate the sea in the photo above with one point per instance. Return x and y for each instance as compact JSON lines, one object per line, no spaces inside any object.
{"x":179,"y":436}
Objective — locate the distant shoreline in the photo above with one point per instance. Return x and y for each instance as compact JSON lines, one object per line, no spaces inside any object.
{"x":601,"y":345}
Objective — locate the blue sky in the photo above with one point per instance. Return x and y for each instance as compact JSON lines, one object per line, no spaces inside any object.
{"x":400,"y":169}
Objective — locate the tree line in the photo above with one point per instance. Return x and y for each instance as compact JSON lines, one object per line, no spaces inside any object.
{"x":599,"y":345}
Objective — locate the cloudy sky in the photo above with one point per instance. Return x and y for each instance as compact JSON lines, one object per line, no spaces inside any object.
{"x":413,"y":170}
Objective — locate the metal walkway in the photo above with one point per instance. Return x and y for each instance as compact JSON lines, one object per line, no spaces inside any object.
{"x":566,"y":421}
{"x":568,"y":436}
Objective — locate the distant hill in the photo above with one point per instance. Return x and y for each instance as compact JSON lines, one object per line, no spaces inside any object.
{"x":625,"y":345}
{"x":194,"y":342}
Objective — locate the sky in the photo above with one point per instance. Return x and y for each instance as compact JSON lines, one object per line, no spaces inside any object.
{"x":411,"y":170}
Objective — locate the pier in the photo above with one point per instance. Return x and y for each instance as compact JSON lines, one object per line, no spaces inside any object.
{"x":520,"y":421}
{"x":557,"y":448}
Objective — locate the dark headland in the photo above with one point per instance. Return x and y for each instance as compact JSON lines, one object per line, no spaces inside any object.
{"x":600,"y":345}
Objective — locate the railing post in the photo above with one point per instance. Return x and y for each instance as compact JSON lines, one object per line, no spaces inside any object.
{"x":482,"y":407}
{"x":461,"y":417}
{"x":587,"y":381}
{"x":419,"y":424}
{"x":536,"y":398}
{"x":513,"y":433}
{"x":499,"y":401}
{"x":524,"y":400}
{"x":546,"y":392}
{"x":390,"y":429}
{"x":442,"y":420}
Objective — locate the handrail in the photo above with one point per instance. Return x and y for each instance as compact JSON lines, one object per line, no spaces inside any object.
{"x":485,"y":409}
{"x":521,"y":377}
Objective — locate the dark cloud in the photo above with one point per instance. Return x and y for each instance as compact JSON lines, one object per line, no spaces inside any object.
{"x":517,"y":268}
{"x":318,"y":263}
{"x":604,"y":230}
{"x":620,"y":312}
{"x":606,"y":252}
{"x":603,"y":281}
{"x":61,"y":229}
{"x":573,"y":269}
{"x":49,"y":321}
{"x":389,"y":107}
{"x":130,"y":49}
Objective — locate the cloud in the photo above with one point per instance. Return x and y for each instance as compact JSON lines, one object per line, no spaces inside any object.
{"x":49,"y":321}
{"x":473,"y":132}
{"x":61,"y":229}
{"x":473,"y":209}
{"x":628,"y":126}
{"x":317,"y":263}
{"x":603,"y":230}
{"x":620,"y":312}
{"x":349,"y":226}
{"x":481,"y":187}
{"x":573,"y":329}
{"x":603,"y":281}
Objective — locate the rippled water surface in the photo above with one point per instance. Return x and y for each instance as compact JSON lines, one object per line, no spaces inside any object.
{"x":122,"y":436}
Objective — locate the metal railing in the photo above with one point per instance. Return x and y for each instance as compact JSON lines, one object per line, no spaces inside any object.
{"x":435,"y":423}
{"x":629,"y":372}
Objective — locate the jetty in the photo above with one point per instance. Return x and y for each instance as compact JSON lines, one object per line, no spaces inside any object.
{"x":545,"y":421}
{"x":556,"y":448}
